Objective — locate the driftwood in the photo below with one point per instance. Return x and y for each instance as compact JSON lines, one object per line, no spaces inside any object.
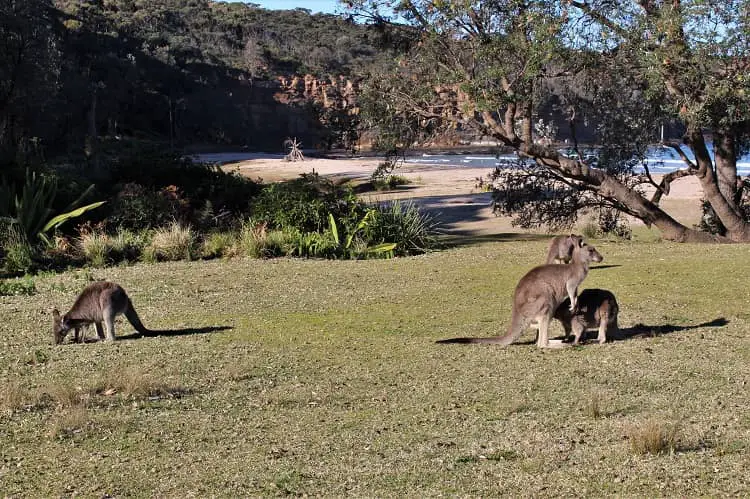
{"x":295,"y":150}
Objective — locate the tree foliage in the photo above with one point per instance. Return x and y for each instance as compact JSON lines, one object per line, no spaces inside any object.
{"x":625,"y":66}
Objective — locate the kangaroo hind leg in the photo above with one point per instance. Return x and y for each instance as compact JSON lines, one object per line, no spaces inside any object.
{"x":542,"y":340}
{"x":109,"y":324}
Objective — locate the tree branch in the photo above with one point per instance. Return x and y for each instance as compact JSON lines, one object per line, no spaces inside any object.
{"x":598,"y":16}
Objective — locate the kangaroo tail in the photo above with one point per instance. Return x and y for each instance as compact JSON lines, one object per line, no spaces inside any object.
{"x":133,"y":318}
{"x":515,"y":329}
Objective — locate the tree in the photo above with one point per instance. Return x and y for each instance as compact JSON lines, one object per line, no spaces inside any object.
{"x":627,"y":65}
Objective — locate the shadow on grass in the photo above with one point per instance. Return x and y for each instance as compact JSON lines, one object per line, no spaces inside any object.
{"x":645,"y":331}
{"x":464,"y":239}
{"x":175,"y":332}
{"x":600,"y":267}
{"x":623,"y":334}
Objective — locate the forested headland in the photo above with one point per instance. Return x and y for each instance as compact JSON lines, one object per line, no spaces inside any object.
{"x":75,"y":73}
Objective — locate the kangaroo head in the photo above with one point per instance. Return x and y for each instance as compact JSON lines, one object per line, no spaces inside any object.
{"x":575,"y":241}
{"x":586,"y":254}
{"x":60,"y":326}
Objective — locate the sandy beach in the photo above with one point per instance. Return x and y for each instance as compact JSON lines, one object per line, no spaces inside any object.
{"x":449,"y":192}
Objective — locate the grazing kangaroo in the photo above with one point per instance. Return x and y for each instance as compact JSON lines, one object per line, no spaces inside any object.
{"x":98,"y":303}
{"x":561,"y":248}
{"x":597,"y":310}
{"x":539,"y":294}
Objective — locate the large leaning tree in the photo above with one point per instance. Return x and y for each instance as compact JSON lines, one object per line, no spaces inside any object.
{"x":626,"y":67}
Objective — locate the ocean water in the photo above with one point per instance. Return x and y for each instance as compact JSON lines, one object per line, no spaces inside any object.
{"x":659,"y":160}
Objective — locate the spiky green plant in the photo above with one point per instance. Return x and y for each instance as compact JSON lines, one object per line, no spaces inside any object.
{"x":412,"y":231}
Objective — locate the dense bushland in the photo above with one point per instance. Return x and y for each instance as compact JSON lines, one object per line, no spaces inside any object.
{"x":149,"y":205}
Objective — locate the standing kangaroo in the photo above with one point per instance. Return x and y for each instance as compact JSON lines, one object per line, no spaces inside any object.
{"x":597,"y":310}
{"x":98,"y":303}
{"x":539,"y":294}
{"x":561,"y":248}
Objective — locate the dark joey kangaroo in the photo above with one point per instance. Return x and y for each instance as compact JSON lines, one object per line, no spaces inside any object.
{"x":597,"y":310}
{"x":98,"y":303}
{"x":561,"y":248}
{"x":539,"y":294}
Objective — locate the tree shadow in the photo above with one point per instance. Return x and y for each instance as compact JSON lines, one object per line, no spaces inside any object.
{"x":465,"y":238}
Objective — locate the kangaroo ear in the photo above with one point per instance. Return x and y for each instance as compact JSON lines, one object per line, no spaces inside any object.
{"x":55,"y":314}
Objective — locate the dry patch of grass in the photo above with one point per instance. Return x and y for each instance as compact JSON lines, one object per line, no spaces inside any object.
{"x":12,"y":397}
{"x":132,"y":383}
{"x":69,"y":422}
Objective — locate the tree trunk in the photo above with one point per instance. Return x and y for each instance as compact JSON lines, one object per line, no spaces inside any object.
{"x":737,"y":229}
{"x":725,"y":160}
{"x":91,"y":146}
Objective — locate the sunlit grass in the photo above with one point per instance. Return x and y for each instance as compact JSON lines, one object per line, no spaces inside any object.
{"x":324,"y":379}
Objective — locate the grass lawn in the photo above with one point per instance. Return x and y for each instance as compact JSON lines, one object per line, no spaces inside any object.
{"x":323,"y":378}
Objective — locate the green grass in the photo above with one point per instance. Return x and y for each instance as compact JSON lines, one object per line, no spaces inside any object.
{"x":329,"y":381}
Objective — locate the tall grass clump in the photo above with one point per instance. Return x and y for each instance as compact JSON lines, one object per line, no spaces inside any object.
{"x":132,"y":383}
{"x":96,"y":247}
{"x":172,"y":243}
{"x":654,"y":437}
{"x":12,"y":397}
{"x":128,"y":245}
{"x":257,"y":241}
{"x":251,"y":239}
{"x":219,"y":245}
{"x":18,"y":253}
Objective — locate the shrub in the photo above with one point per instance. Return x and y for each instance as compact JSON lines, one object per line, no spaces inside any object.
{"x":171,"y":243}
{"x":389,"y":182}
{"x":278,"y":243}
{"x":18,"y":253}
{"x":19,"y":258}
{"x":305,"y":203}
{"x":590,"y":230}
{"x":128,"y":245}
{"x":136,"y":207}
{"x":154,"y":168}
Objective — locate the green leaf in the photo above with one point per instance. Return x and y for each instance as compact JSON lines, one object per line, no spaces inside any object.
{"x":57,"y":221}
{"x":334,"y":229}
{"x":382,"y":248}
